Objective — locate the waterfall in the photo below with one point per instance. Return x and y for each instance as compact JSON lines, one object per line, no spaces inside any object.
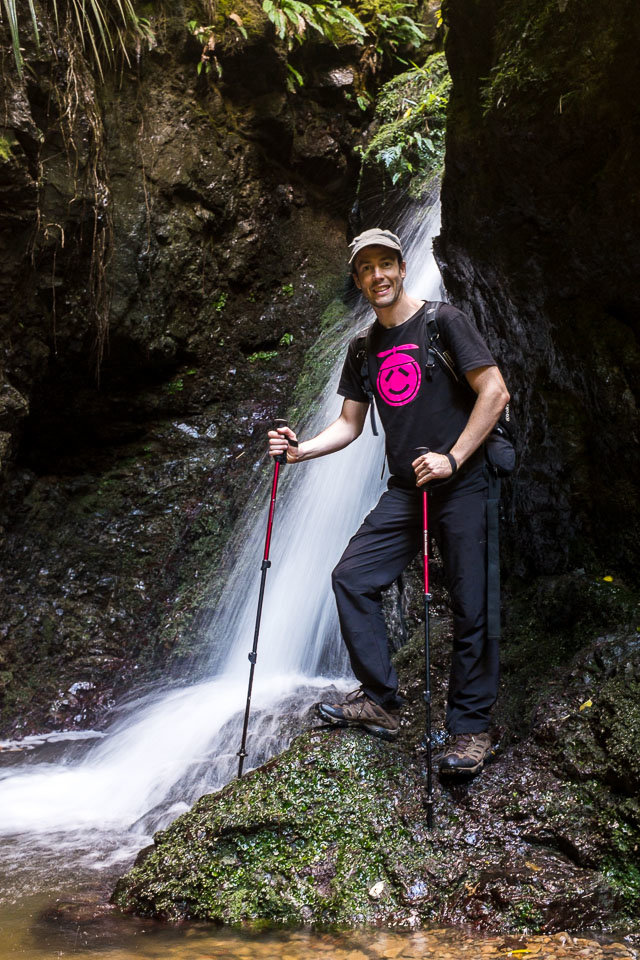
{"x":168,"y":750}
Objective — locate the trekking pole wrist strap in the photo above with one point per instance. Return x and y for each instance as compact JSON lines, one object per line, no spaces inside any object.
{"x":452,"y":460}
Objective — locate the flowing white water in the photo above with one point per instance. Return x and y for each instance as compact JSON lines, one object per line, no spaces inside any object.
{"x":172,"y":748}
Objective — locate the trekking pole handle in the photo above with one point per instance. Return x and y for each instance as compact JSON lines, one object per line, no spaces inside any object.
{"x":279,"y":422}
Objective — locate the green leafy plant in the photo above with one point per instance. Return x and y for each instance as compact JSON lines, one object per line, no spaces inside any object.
{"x":262,"y":355}
{"x":286,"y":289}
{"x":391,"y":26}
{"x":5,"y":149}
{"x":206,"y":35}
{"x":220,"y":303}
{"x":175,"y":386}
{"x":411,"y":110}
{"x":294,"y":79}
{"x":384,"y":28}
{"x":286,"y":339}
{"x":103,"y":26}
{"x":293,"y":19}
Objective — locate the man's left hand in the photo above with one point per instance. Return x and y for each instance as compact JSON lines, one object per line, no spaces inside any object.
{"x":431,"y":466}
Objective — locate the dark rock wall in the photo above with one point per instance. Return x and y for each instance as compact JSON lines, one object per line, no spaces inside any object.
{"x":174,"y":227}
{"x":541,"y":241}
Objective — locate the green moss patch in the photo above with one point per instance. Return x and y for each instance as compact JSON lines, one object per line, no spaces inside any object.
{"x":335,"y":829}
{"x":309,"y":836}
{"x":411,"y":113}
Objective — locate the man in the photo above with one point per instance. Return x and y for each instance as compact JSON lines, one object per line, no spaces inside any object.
{"x":420,"y":405}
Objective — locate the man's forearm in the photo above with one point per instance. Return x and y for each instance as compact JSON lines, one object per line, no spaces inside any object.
{"x":336,"y":436}
{"x":489,"y":405}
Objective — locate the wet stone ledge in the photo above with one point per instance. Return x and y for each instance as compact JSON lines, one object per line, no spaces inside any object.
{"x":334,"y":830}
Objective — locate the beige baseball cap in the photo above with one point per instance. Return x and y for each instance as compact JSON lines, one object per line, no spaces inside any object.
{"x":374,"y":237}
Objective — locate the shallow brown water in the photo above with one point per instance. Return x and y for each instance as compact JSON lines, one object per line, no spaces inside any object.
{"x":47,"y":926}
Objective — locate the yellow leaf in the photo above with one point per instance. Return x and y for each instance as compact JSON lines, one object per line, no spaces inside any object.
{"x":586,"y":705}
{"x":608,"y":579}
{"x":532,"y":866}
{"x":518,"y":953}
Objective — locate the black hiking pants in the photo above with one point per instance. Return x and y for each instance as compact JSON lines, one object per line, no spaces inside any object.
{"x":389,"y":538}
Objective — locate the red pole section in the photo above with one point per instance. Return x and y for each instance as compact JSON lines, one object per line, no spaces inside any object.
{"x":425,"y":535}
{"x":272,"y":507}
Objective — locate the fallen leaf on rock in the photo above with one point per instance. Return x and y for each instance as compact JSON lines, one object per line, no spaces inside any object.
{"x":376,"y":889}
{"x":586,"y":705}
{"x":532,"y":866}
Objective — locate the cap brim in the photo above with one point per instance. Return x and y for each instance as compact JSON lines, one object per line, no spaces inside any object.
{"x":375,"y":243}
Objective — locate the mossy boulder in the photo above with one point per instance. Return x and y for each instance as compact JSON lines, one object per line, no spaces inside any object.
{"x":305,"y":837}
{"x":335,"y":829}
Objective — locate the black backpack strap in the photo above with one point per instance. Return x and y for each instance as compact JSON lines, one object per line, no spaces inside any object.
{"x":363,"y":355}
{"x":493,"y":554}
{"x":435,"y":347}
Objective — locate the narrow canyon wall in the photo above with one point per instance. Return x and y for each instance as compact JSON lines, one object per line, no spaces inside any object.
{"x":541,"y":242}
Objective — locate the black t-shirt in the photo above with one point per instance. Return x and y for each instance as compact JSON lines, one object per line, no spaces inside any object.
{"x":420,"y":406}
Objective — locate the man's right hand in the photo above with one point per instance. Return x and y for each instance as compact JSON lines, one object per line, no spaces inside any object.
{"x":279,"y":442}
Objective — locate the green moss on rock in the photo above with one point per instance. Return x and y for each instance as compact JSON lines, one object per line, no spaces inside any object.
{"x":308,"y":836}
{"x":334,"y":830}
{"x":548,"y":57}
{"x":410,"y":113}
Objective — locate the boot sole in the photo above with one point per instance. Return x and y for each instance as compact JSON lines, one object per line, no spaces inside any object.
{"x":383,"y":733}
{"x":467,"y":771}
{"x":461,"y":771}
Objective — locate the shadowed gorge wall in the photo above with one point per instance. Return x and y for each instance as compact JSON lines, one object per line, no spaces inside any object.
{"x":541,"y":242}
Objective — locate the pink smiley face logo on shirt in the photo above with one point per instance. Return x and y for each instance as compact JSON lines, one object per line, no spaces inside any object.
{"x":399,"y":376}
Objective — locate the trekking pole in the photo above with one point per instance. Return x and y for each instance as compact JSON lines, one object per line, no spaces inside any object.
{"x":427,"y":654}
{"x":266,"y":563}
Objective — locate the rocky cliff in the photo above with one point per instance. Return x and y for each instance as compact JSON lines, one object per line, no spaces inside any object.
{"x":540,"y":241}
{"x":168,"y":238}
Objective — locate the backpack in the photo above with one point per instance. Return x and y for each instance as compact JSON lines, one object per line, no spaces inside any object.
{"x":499,"y":451}
{"x":499,"y":447}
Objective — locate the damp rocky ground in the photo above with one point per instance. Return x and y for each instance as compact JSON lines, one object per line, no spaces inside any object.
{"x":78,"y":929}
{"x":334,"y":830}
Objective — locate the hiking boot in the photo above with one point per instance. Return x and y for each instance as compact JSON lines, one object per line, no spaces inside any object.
{"x":465,"y":754}
{"x":358,"y":710}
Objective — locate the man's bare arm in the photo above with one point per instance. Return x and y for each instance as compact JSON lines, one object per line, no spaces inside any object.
{"x":492,"y":397}
{"x":337,"y":435}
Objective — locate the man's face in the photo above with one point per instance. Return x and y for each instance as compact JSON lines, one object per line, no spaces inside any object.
{"x":379,"y":275}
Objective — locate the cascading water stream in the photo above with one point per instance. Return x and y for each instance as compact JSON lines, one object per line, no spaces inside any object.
{"x":169,"y":750}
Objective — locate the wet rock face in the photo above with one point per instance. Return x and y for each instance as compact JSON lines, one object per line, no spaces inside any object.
{"x":200,"y":217}
{"x":539,"y":242}
{"x":334,"y":830}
